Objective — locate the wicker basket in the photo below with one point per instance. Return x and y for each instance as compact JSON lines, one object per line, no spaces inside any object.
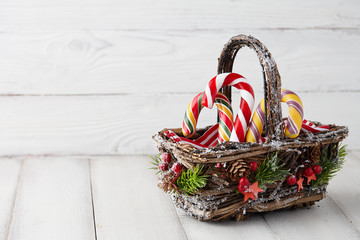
{"x":219,"y":199}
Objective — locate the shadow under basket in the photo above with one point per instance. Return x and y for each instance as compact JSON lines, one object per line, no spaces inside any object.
{"x":227,"y":162}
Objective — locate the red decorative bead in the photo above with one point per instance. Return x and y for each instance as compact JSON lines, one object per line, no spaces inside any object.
{"x":165,"y":157}
{"x":242,"y":188}
{"x":317,"y":169}
{"x":163,"y":166}
{"x":308,"y":172}
{"x":176,"y":167}
{"x":244,"y":181}
{"x":291,"y":180}
{"x":253,"y":166}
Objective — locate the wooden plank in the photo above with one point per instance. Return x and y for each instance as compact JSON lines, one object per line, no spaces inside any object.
{"x":9,"y":174}
{"x":102,"y":62}
{"x":344,"y":191}
{"x":127,"y":202}
{"x":53,"y":200}
{"x":323,"y":221}
{"x":41,"y":15}
{"x":253,"y":228}
{"x":125,"y":124}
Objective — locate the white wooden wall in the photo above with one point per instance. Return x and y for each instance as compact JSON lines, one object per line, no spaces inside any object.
{"x":99,"y":77}
{"x":95,"y":79}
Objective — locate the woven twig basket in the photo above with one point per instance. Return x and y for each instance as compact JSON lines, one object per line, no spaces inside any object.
{"x":219,"y":200}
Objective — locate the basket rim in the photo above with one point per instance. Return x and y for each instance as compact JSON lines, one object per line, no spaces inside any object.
{"x":230,"y":151}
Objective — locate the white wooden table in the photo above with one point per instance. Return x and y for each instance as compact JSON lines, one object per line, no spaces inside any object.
{"x":117,"y":198}
{"x":85,"y":84}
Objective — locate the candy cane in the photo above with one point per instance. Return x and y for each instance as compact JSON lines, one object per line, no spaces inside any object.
{"x":246,"y":102}
{"x":308,"y":126}
{"x":225,"y":115}
{"x":296,"y":115}
{"x":177,"y":139}
{"x":257,"y":123}
{"x":292,"y":123}
{"x":208,"y":139}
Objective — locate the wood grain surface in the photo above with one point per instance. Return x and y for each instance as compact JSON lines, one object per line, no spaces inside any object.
{"x":127,"y":202}
{"x":97,"y":79}
{"x":10,"y":171}
{"x":101,"y":77}
{"x":53,"y":200}
{"x":42,"y":15}
{"x":124,"y":124}
{"x":116,"y":197}
{"x":116,"y":62}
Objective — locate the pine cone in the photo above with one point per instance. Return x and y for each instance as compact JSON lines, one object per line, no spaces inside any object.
{"x":165,"y":181}
{"x":238,"y":169}
{"x":312,"y":154}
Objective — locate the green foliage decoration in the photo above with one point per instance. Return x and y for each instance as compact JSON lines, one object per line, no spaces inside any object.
{"x":330,"y":164}
{"x":270,"y":171}
{"x":155,"y":161}
{"x":191,"y":180}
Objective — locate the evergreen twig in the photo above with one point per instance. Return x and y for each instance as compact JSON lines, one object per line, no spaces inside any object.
{"x":191,"y":180}
{"x":155,"y":161}
{"x":330,"y":165}
{"x":270,"y":171}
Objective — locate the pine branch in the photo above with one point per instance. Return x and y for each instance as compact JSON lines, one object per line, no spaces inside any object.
{"x":270,"y":171}
{"x":155,"y":161}
{"x":191,"y":180}
{"x":330,"y":165}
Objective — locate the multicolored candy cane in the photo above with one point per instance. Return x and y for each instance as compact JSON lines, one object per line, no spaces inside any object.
{"x":246,"y":102}
{"x":296,"y":114}
{"x":225,"y":115}
{"x":292,"y":123}
{"x":257,"y":124}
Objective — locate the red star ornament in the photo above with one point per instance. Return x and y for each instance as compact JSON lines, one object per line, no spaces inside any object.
{"x":248,"y":195}
{"x":254,"y":188}
{"x":299,"y":183}
{"x":312,"y":177}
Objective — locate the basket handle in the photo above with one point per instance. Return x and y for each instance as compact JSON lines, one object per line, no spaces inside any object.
{"x":272,"y":82}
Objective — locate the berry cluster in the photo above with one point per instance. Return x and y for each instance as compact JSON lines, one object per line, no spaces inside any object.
{"x":244,"y":182}
{"x":308,"y":172}
{"x":165,"y":163}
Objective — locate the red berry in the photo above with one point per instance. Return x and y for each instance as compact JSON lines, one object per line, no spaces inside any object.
{"x":253,"y":166}
{"x":308,"y":172}
{"x":219,"y":165}
{"x":317,"y":169}
{"x":291,"y":180}
{"x":244,"y":181}
{"x":163,"y":166}
{"x":165,"y":157}
{"x":176,"y":167}
{"x":242,"y":188}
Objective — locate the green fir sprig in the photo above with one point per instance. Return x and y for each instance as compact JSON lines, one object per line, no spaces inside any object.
{"x":270,"y":171}
{"x":155,"y":161}
{"x":191,"y":180}
{"x":330,"y":165}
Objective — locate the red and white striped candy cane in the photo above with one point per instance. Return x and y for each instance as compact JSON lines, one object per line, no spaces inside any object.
{"x":246,"y":102}
{"x":308,"y":126}
{"x":208,"y":139}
